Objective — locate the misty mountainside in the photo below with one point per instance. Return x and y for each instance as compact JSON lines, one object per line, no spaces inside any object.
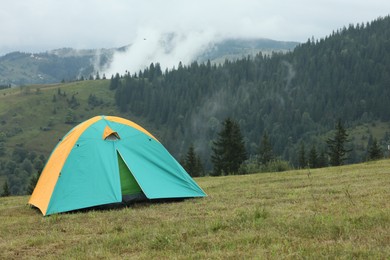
{"x":18,"y":68}
{"x":69,"y":64}
{"x":233,"y":49}
{"x":296,"y":97}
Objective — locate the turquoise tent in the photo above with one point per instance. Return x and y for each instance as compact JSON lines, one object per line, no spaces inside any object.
{"x":107,"y":160}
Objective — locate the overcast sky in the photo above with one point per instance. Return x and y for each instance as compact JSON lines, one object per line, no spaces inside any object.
{"x":40,"y":25}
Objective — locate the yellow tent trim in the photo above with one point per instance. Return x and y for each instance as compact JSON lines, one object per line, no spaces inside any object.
{"x":129,"y":123}
{"x":45,"y":186}
{"x":108,"y":131}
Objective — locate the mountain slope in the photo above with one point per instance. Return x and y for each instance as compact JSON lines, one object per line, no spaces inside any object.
{"x":295,"y":97}
{"x":51,"y":67}
{"x":69,"y":64}
{"x":233,"y":49}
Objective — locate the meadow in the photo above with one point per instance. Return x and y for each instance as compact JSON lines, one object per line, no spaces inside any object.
{"x":35,"y":115}
{"x":333,"y":213}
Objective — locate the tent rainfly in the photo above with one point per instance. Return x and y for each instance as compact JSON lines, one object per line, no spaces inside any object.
{"x":107,"y":160}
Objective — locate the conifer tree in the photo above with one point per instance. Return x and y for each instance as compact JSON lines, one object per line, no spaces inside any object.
{"x":313,"y":157}
{"x":229,"y":149}
{"x":32,"y":183}
{"x":192,"y":163}
{"x":265,"y":150}
{"x":115,"y":81}
{"x":337,"y":151}
{"x":199,"y":166}
{"x":374,"y":151}
{"x":322,"y":160}
{"x":6,"y":192}
{"x":2,"y":149}
{"x":302,"y":157}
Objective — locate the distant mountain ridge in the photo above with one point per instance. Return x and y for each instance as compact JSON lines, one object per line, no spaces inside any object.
{"x":233,"y":49}
{"x":19,"y":68}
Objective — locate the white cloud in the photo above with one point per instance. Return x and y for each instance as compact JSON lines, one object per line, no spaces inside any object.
{"x":168,"y":49}
{"x":40,"y":25}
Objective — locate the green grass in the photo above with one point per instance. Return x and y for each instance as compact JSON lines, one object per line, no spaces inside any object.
{"x":31,"y":108}
{"x":335,"y":213}
{"x":362,"y":133}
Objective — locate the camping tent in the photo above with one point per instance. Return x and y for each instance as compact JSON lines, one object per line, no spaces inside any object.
{"x":107,"y":160}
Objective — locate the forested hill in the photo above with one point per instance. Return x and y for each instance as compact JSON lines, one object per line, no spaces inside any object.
{"x":295,"y":97}
{"x":69,"y":64}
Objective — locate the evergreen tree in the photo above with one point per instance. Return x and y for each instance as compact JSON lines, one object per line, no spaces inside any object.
{"x":313,"y":157}
{"x":6,"y":192}
{"x":192,"y":163}
{"x":69,"y":117}
{"x":32,"y":183}
{"x":265,"y":150}
{"x":229,"y":149}
{"x":374,"y":151}
{"x":113,"y":83}
{"x":27,"y":165}
{"x":3,"y":137}
{"x":322,"y":160}
{"x":2,"y":149}
{"x":302,"y":157}
{"x":199,"y":166}
{"x":337,"y":151}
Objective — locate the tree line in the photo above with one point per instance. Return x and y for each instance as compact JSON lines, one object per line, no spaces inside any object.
{"x":229,"y":155}
{"x":21,"y":171}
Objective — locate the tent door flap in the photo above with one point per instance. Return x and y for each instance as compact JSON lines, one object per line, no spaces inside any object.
{"x":129,"y":185}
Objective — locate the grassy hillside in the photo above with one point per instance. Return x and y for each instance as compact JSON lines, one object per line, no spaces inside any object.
{"x":341,"y":212}
{"x":31,"y":117}
{"x":36,"y":115}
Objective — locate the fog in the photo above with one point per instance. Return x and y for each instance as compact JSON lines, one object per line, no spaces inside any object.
{"x":168,"y":49}
{"x":170,"y":31}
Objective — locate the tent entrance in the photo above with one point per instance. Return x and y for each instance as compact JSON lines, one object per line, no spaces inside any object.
{"x":129,"y":186}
